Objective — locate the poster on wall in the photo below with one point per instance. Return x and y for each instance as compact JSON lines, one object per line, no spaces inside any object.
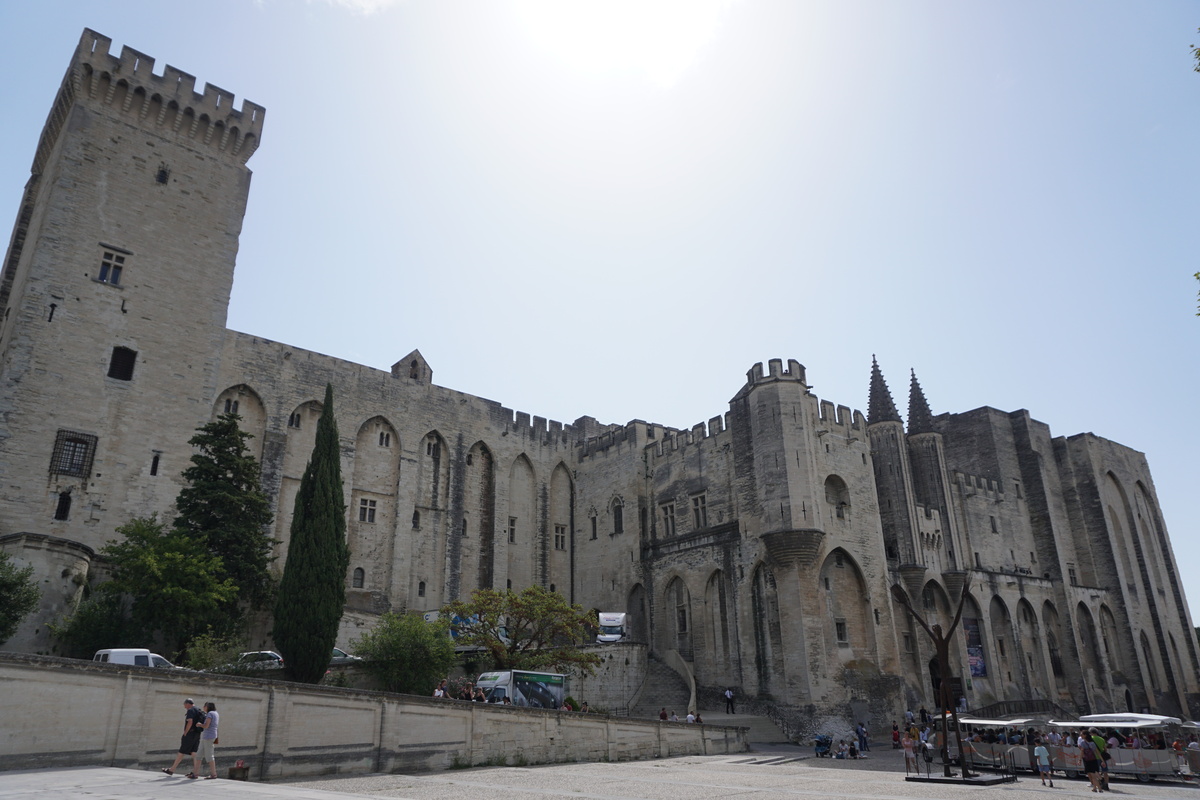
{"x":974,"y":647}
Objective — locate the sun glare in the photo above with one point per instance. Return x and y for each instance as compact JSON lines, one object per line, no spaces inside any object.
{"x":655,"y":39}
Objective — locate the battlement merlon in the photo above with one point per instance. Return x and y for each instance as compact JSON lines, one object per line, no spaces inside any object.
{"x":776,"y":372}
{"x":135,"y":70}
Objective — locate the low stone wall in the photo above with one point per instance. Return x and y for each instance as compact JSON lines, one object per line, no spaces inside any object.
{"x":59,"y":712}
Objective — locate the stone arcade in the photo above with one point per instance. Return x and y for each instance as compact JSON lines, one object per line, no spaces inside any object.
{"x":754,"y":550}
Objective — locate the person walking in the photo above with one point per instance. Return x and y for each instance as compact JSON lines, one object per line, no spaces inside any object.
{"x":729,"y":700}
{"x":190,"y":741}
{"x":1091,"y":761}
{"x":1042,"y":754}
{"x":208,"y":738}
{"x":861,"y":732}
{"x":910,"y":754}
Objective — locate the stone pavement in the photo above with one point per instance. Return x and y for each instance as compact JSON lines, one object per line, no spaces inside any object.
{"x":762,"y":774}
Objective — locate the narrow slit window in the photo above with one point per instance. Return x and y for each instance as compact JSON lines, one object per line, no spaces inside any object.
{"x":63,"y":510}
{"x":700,"y":511}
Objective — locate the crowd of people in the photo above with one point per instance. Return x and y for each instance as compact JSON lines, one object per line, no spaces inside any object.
{"x":1095,"y":745}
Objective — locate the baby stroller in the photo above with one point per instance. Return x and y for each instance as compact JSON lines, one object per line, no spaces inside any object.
{"x":822,"y":744}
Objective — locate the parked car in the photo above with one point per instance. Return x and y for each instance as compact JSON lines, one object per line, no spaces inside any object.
{"x":260,"y":659}
{"x":341,"y":658}
{"x":135,"y":656}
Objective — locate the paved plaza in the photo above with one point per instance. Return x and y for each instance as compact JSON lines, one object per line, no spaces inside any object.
{"x":780,"y":771}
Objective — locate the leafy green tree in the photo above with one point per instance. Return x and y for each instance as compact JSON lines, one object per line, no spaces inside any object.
{"x":312,"y":592}
{"x":98,"y":621}
{"x":19,"y":596}
{"x":224,"y":507}
{"x":214,"y":652}
{"x":536,"y":629}
{"x":406,"y":653}
{"x":174,"y":583}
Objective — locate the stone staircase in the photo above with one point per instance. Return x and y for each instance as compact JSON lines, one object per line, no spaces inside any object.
{"x":762,"y":729}
{"x":663,"y":687}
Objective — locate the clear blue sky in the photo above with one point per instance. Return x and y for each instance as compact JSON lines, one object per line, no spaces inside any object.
{"x":615,"y":213}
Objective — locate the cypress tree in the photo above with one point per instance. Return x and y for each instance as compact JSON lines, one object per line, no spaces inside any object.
{"x":224,"y":507}
{"x":312,"y":592}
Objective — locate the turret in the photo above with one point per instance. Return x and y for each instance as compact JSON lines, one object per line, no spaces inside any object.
{"x":893,"y":482}
{"x":927,"y":459}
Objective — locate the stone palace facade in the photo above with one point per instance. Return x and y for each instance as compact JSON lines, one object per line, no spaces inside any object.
{"x":755,"y":550}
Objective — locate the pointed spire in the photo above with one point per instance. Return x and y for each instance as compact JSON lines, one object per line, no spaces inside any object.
{"x":880,"y":407}
{"x":920,"y":418}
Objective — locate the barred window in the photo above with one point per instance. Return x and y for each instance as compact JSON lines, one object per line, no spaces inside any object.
{"x":73,"y":453}
{"x":120,"y":366}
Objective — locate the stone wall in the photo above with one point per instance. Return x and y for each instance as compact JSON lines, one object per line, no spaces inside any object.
{"x":64,"y":712}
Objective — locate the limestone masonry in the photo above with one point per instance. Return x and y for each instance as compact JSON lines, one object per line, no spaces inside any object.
{"x":754,"y":551}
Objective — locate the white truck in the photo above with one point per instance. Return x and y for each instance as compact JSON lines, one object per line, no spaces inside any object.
{"x":524,"y":688}
{"x":614,"y":627}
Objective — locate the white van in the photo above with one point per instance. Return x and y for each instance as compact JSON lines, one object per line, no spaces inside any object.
{"x":134,"y":656}
{"x":613,"y":627}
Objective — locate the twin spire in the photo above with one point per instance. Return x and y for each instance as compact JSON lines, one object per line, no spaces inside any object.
{"x":881,"y":407}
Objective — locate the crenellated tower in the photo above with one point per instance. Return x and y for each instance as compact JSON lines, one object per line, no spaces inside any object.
{"x":114,"y":293}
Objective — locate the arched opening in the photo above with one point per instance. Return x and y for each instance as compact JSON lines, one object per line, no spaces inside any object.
{"x":1094,"y":673}
{"x":638,"y":614}
{"x":559,"y":554}
{"x":1006,"y":644}
{"x":521,"y":543}
{"x":479,"y":487}
{"x":1148,"y":663}
{"x":297,"y":450}
{"x":677,"y":601}
{"x":617,"y":509}
{"x":1037,"y":682}
{"x":431,"y":549}
{"x":716,"y":631}
{"x":1050,"y":624}
{"x":245,"y":402}
{"x":837,"y":496}
{"x":849,"y":631}
{"x":370,"y":531}
{"x":768,"y":638}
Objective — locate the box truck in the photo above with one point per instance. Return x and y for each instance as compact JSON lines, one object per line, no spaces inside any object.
{"x":524,"y":688}
{"x":614,"y":627}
